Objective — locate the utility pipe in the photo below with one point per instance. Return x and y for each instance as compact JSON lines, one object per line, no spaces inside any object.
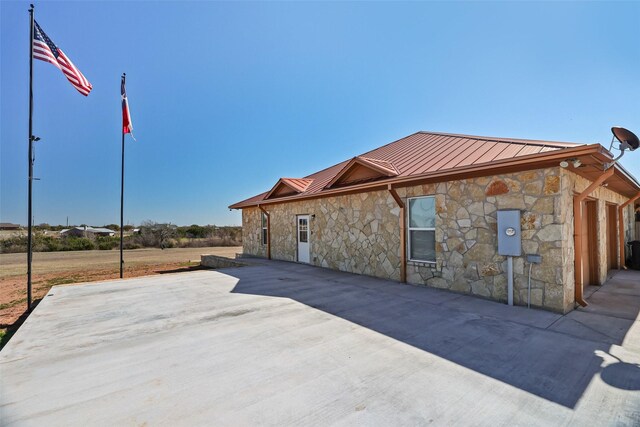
{"x":510,"y":280}
{"x":268,"y":230}
{"x":403,"y":233}
{"x":577,"y":232}
{"x":529,"y":287}
{"x":621,"y":228}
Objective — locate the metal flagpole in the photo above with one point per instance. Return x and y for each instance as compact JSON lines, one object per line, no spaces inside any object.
{"x":124,"y":76}
{"x":31,"y":139}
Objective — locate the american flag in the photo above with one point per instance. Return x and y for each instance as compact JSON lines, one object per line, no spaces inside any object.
{"x":45,"y":50}
{"x":127,"y":127}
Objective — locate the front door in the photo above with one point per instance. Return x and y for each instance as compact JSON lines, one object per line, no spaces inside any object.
{"x":303,"y":239}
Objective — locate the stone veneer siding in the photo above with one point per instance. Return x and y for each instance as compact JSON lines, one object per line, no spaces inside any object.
{"x":360,"y":233}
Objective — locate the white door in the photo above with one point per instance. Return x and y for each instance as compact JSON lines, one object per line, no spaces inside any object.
{"x":303,"y":238}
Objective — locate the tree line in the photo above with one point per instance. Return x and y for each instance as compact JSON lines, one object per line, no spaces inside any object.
{"x":150,"y":234}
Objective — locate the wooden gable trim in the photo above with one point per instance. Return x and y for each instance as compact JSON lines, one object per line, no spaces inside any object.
{"x":284,"y":188}
{"x":370,"y":170}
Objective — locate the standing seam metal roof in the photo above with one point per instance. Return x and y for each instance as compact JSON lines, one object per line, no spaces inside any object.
{"x":425,"y":152}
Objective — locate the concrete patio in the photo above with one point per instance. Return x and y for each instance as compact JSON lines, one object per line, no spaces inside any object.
{"x":281,"y":343}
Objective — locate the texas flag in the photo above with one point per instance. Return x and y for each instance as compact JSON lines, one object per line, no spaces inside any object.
{"x":127,"y":127}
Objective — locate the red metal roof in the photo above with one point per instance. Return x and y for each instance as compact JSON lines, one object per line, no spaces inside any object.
{"x":295,"y":185}
{"x":428,"y":152}
{"x":298,"y":184}
{"x":382,"y":165}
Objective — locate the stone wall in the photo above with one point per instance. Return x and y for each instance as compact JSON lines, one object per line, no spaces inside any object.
{"x":467,"y":259}
{"x":215,"y":261}
{"x":357,"y":233}
{"x":251,"y":233}
{"x":360,"y":233}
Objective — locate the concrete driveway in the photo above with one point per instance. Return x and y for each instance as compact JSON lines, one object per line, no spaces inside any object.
{"x":281,"y":344}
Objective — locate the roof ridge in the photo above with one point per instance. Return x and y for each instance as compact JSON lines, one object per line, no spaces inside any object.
{"x":484,"y":138}
{"x":523,"y":141}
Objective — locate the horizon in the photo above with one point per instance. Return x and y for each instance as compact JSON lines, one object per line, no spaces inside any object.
{"x":287,"y":89}
{"x":45,"y":224}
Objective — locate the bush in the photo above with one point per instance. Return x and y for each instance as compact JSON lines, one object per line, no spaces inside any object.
{"x":46,"y":243}
{"x":40,"y":243}
{"x":107,"y":243}
{"x":130,"y":243}
{"x":77,"y":244}
{"x":13,"y":244}
{"x":151,"y":235}
{"x":208,"y":242}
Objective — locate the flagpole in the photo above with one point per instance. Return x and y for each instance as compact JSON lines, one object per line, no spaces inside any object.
{"x":124,"y":76}
{"x":31,"y":138}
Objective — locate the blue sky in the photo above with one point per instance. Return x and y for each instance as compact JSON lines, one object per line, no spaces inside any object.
{"x":227,"y":97}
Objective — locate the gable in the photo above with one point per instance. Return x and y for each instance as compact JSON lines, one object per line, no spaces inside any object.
{"x":358,"y":173}
{"x":288,"y":187}
{"x":281,"y":190}
{"x":362,"y":169}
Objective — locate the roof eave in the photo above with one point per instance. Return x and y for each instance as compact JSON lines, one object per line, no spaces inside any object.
{"x":627,"y":176}
{"x":532,"y":161}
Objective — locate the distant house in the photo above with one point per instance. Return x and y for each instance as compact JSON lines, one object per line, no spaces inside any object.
{"x":427,"y":210}
{"x":85,"y":231}
{"x":9,"y":226}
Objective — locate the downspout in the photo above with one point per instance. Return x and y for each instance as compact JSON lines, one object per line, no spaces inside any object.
{"x":268,"y":231}
{"x":403,"y":234}
{"x":621,"y":228}
{"x":577,"y":232}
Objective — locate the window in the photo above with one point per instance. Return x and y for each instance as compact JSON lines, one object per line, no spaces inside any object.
{"x":264,"y":229}
{"x":303,"y":230}
{"x":422,"y":229}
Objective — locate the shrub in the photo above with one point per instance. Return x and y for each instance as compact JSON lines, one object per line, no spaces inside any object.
{"x":13,"y":244}
{"x":77,"y":244}
{"x":131,"y":244}
{"x":151,"y":235}
{"x":46,"y":243}
{"x":107,"y":243}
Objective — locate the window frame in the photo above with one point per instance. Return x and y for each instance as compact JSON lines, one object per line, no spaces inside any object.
{"x":306,"y":229}
{"x":264,"y":229}
{"x":410,"y":229}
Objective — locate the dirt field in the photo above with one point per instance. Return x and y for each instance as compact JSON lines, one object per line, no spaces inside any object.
{"x":56,"y":268}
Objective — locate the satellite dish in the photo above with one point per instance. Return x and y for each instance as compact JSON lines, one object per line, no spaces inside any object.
{"x":628,"y":140}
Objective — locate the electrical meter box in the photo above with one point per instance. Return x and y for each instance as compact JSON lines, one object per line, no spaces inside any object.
{"x":509,"y":233}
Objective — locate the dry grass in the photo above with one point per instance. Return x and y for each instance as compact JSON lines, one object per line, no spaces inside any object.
{"x":55,"y":262}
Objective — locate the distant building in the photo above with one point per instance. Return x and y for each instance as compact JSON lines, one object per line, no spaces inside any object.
{"x":85,"y":231}
{"x":9,"y":226}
